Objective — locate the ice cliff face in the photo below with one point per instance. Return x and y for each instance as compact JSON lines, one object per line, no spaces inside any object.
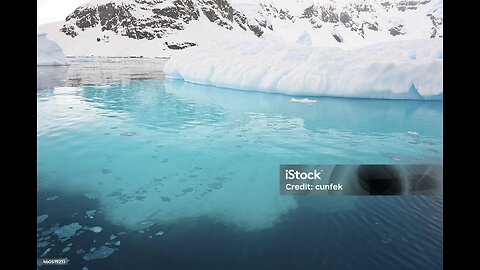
{"x":49,"y":53}
{"x":399,"y":70}
{"x":101,"y":25}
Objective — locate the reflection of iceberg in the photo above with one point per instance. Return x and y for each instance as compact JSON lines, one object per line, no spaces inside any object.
{"x":49,"y":53}
{"x":51,"y":76}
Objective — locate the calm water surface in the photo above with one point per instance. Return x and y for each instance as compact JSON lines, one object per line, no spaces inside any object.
{"x":136,"y":171}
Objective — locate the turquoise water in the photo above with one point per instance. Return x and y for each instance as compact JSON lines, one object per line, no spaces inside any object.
{"x":167,"y":153}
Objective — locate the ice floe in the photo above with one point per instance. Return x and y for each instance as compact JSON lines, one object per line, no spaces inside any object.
{"x":100,"y":253}
{"x":67,"y":231}
{"x":42,"y":218}
{"x":95,"y":229}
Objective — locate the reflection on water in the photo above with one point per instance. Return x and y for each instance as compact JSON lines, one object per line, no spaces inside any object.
{"x":99,"y":71}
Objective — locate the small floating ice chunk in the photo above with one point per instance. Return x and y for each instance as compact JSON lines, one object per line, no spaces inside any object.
{"x":68,"y":231}
{"x":65,"y":249}
{"x":160,"y":233}
{"x":413,"y":133}
{"x":145,"y":224}
{"x":41,"y":218}
{"x":80,"y":251}
{"x":99,"y":253}
{"x":52,"y":198}
{"x":85,"y":268}
{"x":387,"y":240}
{"x":96,"y":229}
{"x":102,"y":86}
{"x":129,"y":133}
{"x":91,"y":213}
{"x":112,"y":237}
{"x":117,"y":243}
{"x":49,"y":231}
{"x":90,"y":195}
{"x":42,"y":244}
{"x":303,"y":100}
{"x":46,"y":252}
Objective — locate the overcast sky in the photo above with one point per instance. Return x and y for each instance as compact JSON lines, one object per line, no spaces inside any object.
{"x":55,"y":10}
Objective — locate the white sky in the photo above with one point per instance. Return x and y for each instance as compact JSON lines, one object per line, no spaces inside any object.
{"x":55,"y":10}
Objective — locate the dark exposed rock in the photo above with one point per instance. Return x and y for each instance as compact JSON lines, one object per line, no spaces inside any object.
{"x":171,"y":12}
{"x":69,"y":31}
{"x":372,"y":26}
{"x":310,"y":12}
{"x":345,"y":18}
{"x":180,"y":46}
{"x":337,"y":38}
{"x":397,"y":30}
{"x":256,"y":30}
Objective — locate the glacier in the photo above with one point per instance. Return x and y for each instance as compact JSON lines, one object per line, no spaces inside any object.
{"x":49,"y":53}
{"x":410,"y":69}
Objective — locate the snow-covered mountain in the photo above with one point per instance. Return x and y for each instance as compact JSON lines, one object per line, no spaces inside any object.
{"x":161,"y":27}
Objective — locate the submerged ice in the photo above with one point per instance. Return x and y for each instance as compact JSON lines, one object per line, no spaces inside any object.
{"x":400,"y":70}
{"x":42,"y":218}
{"x":201,"y":151}
{"x":100,"y":253}
{"x":67,"y":231}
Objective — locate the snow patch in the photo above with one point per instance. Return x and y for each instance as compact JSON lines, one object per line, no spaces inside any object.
{"x":96,"y":229}
{"x":304,"y":100}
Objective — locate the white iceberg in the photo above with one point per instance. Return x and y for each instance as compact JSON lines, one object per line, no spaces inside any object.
{"x":303,"y":100}
{"x":400,"y":70}
{"x":49,"y":53}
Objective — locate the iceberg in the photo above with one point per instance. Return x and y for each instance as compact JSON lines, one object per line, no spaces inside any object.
{"x":410,"y":69}
{"x":49,"y":53}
